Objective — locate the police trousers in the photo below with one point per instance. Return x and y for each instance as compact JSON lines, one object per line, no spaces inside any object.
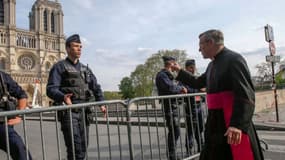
{"x":194,"y":126}
{"x":17,"y":147}
{"x":172,"y":122}
{"x":80,"y":134}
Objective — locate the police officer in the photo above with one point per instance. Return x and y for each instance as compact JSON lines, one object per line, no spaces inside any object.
{"x":194,"y":120}
{"x":8,"y":87}
{"x":71,"y":82}
{"x":166,"y":86}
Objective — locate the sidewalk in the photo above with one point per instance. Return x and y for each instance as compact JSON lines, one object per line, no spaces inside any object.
{"x":266,"y":119}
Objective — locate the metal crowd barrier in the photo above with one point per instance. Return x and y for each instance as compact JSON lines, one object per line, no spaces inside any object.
{"x":134,"y":129}
{"x":147,"y":123}
{"x":42,"y":136}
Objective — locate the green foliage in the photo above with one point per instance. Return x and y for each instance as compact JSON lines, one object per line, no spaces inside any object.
{"x":111,"y":95}
{"x":126,"y":88}
{"x":143,"y":77}
{"x":280,"y":81}
{"x":264,"y":72}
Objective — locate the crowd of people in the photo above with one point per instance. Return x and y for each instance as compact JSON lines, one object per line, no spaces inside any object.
{"x":228,"y":133}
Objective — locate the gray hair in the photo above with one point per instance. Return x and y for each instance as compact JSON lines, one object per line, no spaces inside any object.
{"x":215,"y":35}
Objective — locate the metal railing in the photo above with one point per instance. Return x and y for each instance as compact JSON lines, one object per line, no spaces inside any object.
{"x":41,"y":133}
{"x":150,"y":132}
{"x":137,"y":129}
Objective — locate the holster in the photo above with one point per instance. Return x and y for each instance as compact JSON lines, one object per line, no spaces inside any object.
{"x":8,"y":105}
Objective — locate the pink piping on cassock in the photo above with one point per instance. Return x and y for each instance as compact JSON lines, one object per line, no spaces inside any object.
{"x":224,"y":100}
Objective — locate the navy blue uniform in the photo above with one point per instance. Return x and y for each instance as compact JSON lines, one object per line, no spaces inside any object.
{"x":56,"y":91}
{"x":55,"y":78}
{"x":17,"y":147}
{"x":166,"y":86}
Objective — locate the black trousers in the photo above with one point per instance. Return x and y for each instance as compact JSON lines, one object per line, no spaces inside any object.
{"x":80,"y":134}
{"x":17,"y":147}
{"x":172,"y":123}
{"x":194,"y":125}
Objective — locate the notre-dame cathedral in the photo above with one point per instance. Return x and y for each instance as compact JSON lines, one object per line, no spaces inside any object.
{"x":27,"y":55}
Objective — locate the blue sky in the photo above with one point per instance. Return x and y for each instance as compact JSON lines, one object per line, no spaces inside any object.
{"x":120,"y":34}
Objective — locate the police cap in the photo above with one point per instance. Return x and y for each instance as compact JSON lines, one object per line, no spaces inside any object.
{"x":72,"y":38}
{"x":189,"y":62}
{"x":168,"y":58}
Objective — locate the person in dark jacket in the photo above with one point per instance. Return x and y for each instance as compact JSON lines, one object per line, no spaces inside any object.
{"x":9,"y":87}
{"x":229,"y":130}
{"x":71,"y":82}
{"x":166,"y":86}
{"x":193,"y":112}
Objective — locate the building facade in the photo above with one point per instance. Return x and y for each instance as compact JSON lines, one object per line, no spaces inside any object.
{"x":27,"y":55}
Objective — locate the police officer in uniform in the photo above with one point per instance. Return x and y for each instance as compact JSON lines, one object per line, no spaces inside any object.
{"x":193,"y":112}
{"x":71,"y":82}
{"x":166,"y":86}
{"x":8,"y":89}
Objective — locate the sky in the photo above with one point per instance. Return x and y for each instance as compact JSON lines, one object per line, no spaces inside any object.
{"x":118,"y":35}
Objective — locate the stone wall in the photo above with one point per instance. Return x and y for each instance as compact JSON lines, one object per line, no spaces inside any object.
{"x":265,"y":99}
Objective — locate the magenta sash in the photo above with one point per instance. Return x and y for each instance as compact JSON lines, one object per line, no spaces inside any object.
{"x":224,"y":101}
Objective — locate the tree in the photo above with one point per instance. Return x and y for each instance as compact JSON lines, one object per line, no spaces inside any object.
{"x":264,"y":71}
{"x":264,"y":74}
{"x":143,"y":77}
{"x":111,"y":95}
{"x":155,"y":63}
{"x":280,"y":81}
{"x":126,"y":88}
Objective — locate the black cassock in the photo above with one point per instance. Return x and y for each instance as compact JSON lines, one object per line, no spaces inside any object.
{"x":231,"y":102}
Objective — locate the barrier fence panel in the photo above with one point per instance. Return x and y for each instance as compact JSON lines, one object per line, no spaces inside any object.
{"x":146,"y":128}
{"x":43,"y":138}
{"x":160,"y":127}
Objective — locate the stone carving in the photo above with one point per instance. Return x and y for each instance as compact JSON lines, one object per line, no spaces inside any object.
{"x":26,"y":62}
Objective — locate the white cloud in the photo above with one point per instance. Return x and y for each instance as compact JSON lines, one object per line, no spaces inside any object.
{"x":142,"y":49}
{"x":84,"y":4}
{"x":117,"y":35}
{"x":85,"y":41}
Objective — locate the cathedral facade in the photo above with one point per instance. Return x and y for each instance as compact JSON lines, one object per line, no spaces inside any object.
{"x":28,"y":55}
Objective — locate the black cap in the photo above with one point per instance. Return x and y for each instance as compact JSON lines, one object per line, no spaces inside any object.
{"x":168,"y":58}
{"x":72,"y":38}
{"x":189,"y":62}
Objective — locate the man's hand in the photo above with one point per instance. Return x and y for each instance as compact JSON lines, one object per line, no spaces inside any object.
{"x":14,"y":121}
{"x":184,"y":90}
{"x":67,"y":99}
{"x":234,"y":135}
{"x":22,"y":104}
{"x":104,"y":110}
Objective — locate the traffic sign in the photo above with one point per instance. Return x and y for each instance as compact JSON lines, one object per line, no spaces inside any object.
{"x":269,"y":36}
{"x":272,"y":48}
{"x":272,"y":58}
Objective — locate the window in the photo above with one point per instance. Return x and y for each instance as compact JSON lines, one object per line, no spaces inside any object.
{"x":1,"y":12}
{"x":45,"y":21}
{"x":52,"y":22}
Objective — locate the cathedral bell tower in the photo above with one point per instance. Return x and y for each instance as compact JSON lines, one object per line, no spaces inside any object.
{"x":46,"y":16}
{"x":27,"y":55}
{"x":7,"y":13}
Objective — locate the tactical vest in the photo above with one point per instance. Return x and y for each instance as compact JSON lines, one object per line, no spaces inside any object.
{"x":7,"y":103}
{"x":76,"y":82}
